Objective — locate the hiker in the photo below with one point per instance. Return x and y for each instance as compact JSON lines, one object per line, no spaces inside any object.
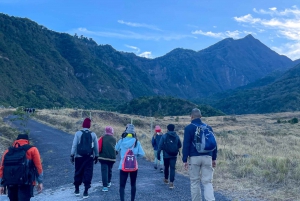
{"x":18,"y":189}
{"x":155,"y":142}
{"x":201,"y":164}
{"x":170,"y":144}
{"x":129,"y":141}
{"x":107,"y":156}
{"x":84,"y":154}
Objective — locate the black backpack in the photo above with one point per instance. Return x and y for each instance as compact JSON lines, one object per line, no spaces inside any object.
{"x":17,"y":169}
{"x":85,"y":146}
{"x":171,"y":145}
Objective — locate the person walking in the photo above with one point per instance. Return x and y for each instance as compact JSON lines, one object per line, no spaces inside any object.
{"x":84,"y":154}
{"x":155,"y":142}
{"x":107,"y":156}
{"x":129,"y":141}
{"x":201,"y":164}
{"x":170,"y":144}
{"x":18,"y":191}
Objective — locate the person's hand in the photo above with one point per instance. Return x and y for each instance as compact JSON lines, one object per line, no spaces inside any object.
{"x":72,"y":159}
{"x":96,"y":159}
{"x":39,"y":187}
{"x":186,"y":166}
{"x":214,"y":163}
{"x":1,"y":190}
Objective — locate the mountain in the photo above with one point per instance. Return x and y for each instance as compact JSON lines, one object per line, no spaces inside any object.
{"x":43,"y":68}
{"x":279,"y":96}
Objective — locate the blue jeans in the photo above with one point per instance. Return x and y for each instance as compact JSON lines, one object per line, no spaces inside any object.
{"x":161,"y":162}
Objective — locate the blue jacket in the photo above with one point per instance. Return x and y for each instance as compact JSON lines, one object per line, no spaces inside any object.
{"x":188,"y":149}
{"x":155,"y":141}
{"x":124,"y":144}
{"x":162,"y":143}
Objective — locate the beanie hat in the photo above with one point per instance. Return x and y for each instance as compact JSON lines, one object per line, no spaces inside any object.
{"x":157,"y":128}
{"x":171,"y":127}
{"x":22,"y":136}
{"x":86,"y":123}
{"x":109,"y":130}
{"x":130,"y":129}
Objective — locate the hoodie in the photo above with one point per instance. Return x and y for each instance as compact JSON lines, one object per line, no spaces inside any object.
{"x":124,"y":144}
{"x":162,"y":144}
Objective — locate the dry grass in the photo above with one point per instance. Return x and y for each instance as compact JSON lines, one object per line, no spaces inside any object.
{"x":258,"y":157}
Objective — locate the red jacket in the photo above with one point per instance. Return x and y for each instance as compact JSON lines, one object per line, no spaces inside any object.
{"x":33,"y":155}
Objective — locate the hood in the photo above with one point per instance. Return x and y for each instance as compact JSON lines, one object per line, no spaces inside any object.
{"x":128,"y":142}
{"x":21,"y":142}
{"x":172,"y":133}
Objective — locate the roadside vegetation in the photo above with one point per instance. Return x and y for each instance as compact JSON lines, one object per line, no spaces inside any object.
{"x":259,"y":156}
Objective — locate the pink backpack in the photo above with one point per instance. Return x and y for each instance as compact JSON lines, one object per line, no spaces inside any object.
{"x":129,"y":163}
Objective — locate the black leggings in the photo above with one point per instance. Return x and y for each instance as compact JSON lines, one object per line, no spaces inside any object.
{"x":123,"y":180}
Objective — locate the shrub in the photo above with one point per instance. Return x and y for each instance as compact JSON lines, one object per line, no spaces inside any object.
{"x":293,"y":120}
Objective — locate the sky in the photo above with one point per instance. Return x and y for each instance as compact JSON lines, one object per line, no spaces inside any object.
{"x":152,"y":28}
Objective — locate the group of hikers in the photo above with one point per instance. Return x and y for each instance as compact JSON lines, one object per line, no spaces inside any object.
{"x":21,"y":167}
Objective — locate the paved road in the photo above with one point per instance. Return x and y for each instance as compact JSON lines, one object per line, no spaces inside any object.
{"x":55,"y":145}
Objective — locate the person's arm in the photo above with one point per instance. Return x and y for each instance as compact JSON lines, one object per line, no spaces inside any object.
{"x":153,"y":141}
{"x":74,"y":145}
{"x":186,"y":145}
{"x":96,"y":148}
{"x":118,"y":146}
{"x":179,"y":143}
{"x":141,"y":152}
{"x":160,"y":147}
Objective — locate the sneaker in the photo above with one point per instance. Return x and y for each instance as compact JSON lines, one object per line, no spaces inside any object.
{"x":76,"y":192}
{"x":104,"y":189}
{"x":161,"y":170}
{"x":85,"y":194}
{"x":109,"y":184}
{"x":171,"y":185}
{"x":166,"y":181}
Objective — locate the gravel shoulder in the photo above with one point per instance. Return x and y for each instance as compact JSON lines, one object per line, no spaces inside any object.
{"x":55,"y":145}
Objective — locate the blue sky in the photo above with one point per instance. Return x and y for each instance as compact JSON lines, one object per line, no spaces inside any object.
{"x":155,"y":27}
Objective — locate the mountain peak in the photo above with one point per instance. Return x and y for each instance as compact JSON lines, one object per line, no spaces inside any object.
{"x":249,"y":37}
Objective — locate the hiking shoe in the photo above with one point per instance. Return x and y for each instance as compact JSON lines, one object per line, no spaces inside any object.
{"x":104,"y":189}
{"x":166,"y":181}
{"x":171,"y":185}
{"x":85,"y":194}
{"x":76,"y":192}
{"x":161,"y":170}
{"x":109,"y":184}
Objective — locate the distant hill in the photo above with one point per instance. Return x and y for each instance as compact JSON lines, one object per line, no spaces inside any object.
{"x":279,"y":96}
{"x":42,"y":68}
{"x":165,"y":106}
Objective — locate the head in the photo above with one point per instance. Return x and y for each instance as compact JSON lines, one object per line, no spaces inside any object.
{"x":86,"y":123}
{"x":157,"y":129}
{"x":109,"y":130}
{"x":130,"y":129}
{"x":171,"y":127}
{"x":22,"y":137}
{"x":196,"y":113}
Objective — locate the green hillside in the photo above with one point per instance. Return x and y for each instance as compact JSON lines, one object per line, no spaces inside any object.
{"x":165,"y":106}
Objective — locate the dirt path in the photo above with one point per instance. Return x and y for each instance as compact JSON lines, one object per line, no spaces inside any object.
{"x":55,"y":145}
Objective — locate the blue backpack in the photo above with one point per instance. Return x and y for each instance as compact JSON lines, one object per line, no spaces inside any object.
{"x":204,"y":139}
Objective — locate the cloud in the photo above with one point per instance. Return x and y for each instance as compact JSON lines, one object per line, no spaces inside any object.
{"x":146,"y":55}
{"x":134,"y":48}
{"x":284,"y":23}
{"x":232,"y":34}
{"x":133,"y":24}
{"x":132,"y":35}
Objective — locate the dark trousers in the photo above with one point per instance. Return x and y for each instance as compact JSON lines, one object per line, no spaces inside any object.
{"x":83,"y":171}
{"x":20,"y":193}
{"x":123,"y":180}
{"x":170,"y":163}
{"x":106,"y":171}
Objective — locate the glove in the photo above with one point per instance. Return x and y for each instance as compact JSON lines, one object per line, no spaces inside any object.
{"x":72,"y":159}
{"x":96,"y":159}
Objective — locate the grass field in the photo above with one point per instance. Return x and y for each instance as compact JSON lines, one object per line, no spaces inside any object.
{"x":258,"y":156}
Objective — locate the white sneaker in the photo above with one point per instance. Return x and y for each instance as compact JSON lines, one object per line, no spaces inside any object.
{"x":109,"y":185}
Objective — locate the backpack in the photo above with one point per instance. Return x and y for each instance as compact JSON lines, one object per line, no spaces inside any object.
{"x":17,"y":169}
{"x":204,"y":139}
{"x":171,"y":145}
{"x":85,"y":146}
{"x":129,"y":163}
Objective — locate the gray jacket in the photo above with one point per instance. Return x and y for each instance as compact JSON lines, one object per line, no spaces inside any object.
{"x":76,"y":141}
